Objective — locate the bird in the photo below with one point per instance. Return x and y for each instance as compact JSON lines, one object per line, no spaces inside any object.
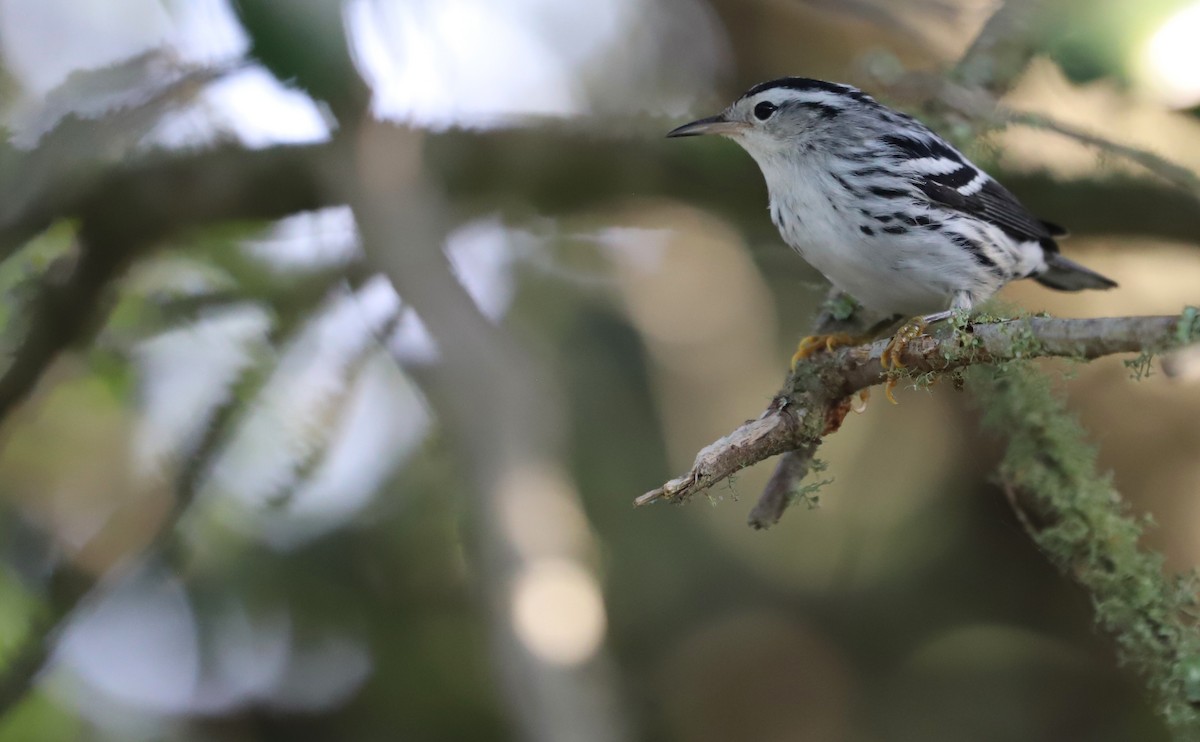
{"x":888,"y":211}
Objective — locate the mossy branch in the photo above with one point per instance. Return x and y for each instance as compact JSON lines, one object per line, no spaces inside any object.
{"x":817,"y":395}
{"x":1078,"y":520}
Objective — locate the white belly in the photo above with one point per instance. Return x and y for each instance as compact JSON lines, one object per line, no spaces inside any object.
{"x":916,"y":272}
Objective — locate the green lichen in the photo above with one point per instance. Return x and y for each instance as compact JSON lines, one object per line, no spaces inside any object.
{"x":1078,"y":519}
{"x":841,"y":306}
{"x":966,"y":341}
{"x":925,"y":381}
{"x":1140,"y":366}
{"x":806,"y":494}
{"x":1025,"y":344}
{"x":1188,"y":329}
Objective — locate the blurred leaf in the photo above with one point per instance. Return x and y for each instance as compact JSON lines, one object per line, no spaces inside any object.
{"x":1093,"y":39}
{"x":39,"y":718}
{"x":16,"y":608}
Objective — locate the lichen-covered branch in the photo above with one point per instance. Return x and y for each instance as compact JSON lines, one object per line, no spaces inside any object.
{"x":1076,"y":517}
{"x":817,"y":394}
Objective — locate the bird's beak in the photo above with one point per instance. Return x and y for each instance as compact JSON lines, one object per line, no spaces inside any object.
{"x":712,"y":125}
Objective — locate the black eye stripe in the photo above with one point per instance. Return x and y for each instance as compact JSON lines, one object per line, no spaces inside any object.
{"x":766,"y":109}
{"x":763,"y":110}
{"x":826,"y":111}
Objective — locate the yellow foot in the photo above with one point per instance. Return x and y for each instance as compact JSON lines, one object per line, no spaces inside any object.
{"x":814,"y":344}
{"x":891,"y":357}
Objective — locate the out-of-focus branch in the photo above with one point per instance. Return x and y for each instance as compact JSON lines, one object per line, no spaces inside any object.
{"x":161,"y":195}
{"x":66,"y":588}
{"x":910,"y":18}
{"x":816,"y":397}
{"x":1171,"y":172}
{"x":1002,"y":48}
{"x":62,"y":314}
{"x":981,"y":107}
{"x":494,"y":401}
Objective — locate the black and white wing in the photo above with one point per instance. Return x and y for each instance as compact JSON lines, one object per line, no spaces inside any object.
{"x":951,"y":181}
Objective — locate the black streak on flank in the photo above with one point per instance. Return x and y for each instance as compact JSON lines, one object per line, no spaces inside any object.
{"x":846,"y":186}
{"x":864,"y":172}
{"x":976,"y":252}
{"x":888,"y":192}
{"x":895,"y":230}
{"x":920,"y":220}
{"x":777,"y":217}
{"x":866,"y":230}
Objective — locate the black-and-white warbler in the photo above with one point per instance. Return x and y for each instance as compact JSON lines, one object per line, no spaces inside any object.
{"x":886,"y":209}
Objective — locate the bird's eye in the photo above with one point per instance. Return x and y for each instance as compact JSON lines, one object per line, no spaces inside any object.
{"x":763,"y":110}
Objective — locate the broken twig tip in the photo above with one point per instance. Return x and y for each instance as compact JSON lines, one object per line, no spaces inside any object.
{"x":649,"y":497}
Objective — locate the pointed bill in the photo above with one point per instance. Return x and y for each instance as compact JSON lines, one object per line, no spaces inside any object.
{"x":712,"y":125}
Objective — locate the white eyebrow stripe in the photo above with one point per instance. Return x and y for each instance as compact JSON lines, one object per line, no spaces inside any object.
{"x":815,"y":97}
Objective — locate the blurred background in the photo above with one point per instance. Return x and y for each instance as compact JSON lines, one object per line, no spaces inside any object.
{"x":291,"y":482}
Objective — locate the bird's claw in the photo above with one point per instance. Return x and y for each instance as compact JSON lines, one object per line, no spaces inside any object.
{"x":814,"y":344}
{"x":892,"y":357}
{"x":861,"y":399}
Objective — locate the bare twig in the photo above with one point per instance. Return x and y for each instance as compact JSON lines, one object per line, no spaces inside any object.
{"x":815,"y":399}
{"x":496,"y":403}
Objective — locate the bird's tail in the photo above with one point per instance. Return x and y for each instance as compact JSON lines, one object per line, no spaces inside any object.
{"x":1067,"y":275}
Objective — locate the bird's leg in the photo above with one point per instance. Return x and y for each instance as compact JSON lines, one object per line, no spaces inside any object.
{"x":890,"y":359}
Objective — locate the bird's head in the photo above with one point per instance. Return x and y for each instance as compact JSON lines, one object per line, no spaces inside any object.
{"x":785,"y":115}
